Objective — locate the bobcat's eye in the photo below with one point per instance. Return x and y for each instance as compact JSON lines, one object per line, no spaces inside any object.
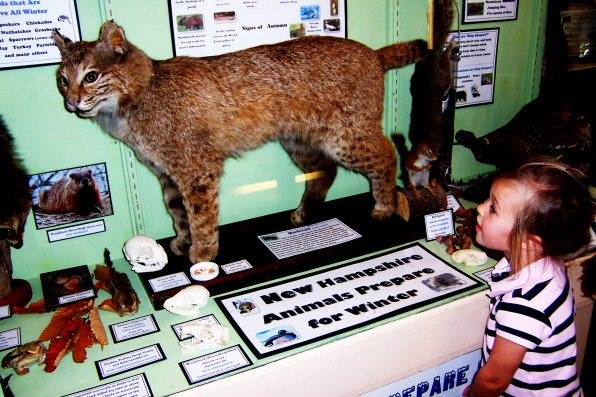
{"x":91,"y":77}
{"x":63,"y":81}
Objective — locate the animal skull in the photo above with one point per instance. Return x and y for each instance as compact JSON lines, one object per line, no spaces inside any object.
{"x":188,"y":302}
{"x":202,"y":335}
{"x":145,"y":254}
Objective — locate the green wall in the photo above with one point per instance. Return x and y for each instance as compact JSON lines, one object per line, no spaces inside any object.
{"x":49,"y":138}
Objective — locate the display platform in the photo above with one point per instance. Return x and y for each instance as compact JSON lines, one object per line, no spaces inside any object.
{"x":395,"y":320}
{"x":240,"y":241}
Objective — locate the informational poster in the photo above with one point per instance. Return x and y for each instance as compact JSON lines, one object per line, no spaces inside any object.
{"x":280,"y":317}
{"x":26,"y":31}
{"x":204,"y":28}
{"x":476,"y":69}
{"x":447,"y":379}
{"x":489,"y":10}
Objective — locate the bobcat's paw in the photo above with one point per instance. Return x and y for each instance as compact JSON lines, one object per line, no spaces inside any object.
{"x":201,"y":253}
{"x":382,"y":213}
{"x":298,"y":217}
{"x":179,"y":245}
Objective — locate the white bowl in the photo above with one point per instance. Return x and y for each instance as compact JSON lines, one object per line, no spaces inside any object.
{"x":204,"y":271}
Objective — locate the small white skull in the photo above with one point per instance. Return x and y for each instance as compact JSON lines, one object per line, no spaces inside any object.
{"x":144,"y":254}
{"x":188,"y":302}
{"x":202,"y":335}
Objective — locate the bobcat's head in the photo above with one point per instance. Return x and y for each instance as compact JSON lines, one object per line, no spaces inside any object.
{"x":91,"y":77}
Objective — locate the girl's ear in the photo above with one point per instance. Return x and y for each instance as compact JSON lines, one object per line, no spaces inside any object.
{"x":534,"y":245}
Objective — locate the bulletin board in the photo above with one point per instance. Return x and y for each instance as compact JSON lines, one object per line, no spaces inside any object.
{"x":26,"y":27}
{"x":214,"y":28}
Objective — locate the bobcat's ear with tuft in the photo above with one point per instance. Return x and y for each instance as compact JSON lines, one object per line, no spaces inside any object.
{"x":62,"y":42}
{"x":113,"y":35}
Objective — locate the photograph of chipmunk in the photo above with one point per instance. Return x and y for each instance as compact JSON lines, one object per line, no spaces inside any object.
{"x":184,"y":116}
{"x":416,"y":164}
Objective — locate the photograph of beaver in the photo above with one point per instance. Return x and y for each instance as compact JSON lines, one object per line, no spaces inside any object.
{"x":77,"y":192}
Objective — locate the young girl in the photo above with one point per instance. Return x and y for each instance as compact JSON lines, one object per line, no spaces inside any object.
{"x":539,"y":217}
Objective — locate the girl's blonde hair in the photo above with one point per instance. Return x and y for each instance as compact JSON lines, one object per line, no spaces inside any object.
{"x":559,"y":209}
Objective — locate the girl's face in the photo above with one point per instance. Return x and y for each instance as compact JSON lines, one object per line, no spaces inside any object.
{"x":496,"y":216}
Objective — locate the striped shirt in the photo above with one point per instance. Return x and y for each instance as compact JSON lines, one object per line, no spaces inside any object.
{"x":534,"y":308}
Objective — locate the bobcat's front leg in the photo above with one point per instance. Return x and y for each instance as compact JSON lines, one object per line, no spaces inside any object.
{"x":201,"y":200}
{"x":173,"y":200}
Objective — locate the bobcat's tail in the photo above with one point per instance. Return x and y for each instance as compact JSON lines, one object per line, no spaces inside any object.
{"x":401,"y":54}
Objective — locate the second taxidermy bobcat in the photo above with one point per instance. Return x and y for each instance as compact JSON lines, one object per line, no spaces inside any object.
{"x":320,"y":97}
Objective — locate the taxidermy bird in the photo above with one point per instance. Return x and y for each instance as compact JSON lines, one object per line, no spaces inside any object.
{"x":545,"y":126}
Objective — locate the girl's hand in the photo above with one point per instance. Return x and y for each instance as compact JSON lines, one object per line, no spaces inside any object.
{"x":496,"y":375}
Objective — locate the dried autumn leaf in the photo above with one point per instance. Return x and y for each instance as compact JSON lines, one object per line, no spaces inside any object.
{"x":36,"y":307}
{"x":82,"y":341}
{"x":57,"y":349}
{"x":97,"y":327}
{"x":62,"y":317}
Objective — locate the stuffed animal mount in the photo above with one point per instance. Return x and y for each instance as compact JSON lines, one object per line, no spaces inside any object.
{"x":320,"y":97}
{"x":548,"y":126}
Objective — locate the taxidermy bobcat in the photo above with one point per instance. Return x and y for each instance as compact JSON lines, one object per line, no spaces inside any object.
{"x":320,"y":97}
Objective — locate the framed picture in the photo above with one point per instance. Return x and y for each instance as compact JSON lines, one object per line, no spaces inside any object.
{"x":475,"y":11}
{"x":70,"y":195}
{"x":207,"y":28}
{"x":26,"y":34}
{"x":65,"y":286}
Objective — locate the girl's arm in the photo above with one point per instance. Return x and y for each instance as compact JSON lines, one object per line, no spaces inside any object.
{"x":496,"y":375}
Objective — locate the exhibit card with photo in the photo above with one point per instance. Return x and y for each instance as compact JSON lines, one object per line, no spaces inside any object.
{"x":279,"y":317}
{"x":64,"y":286}
{"x":26,"y":31}
{"x":475,"y":11}
{"x":217,"y":27}
{"x":476,"y":71}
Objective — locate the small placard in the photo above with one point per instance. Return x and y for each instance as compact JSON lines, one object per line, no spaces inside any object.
{"x":218,"y":363}
{"x":439,"y":224}
{"x":308,"y":238}
{"x":4,"y":311}
{"x":453,"y":203}
{"x":129,"y":361}
{"x":76,"y":231}
{"x":485,"y":275}
{"x":136,"y":386}
{"x":236,"y":267}
{"x":133,"y":328}
{"x":10,"y":339}
{"x":170,"y":281}
{"x":489,"y":11}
